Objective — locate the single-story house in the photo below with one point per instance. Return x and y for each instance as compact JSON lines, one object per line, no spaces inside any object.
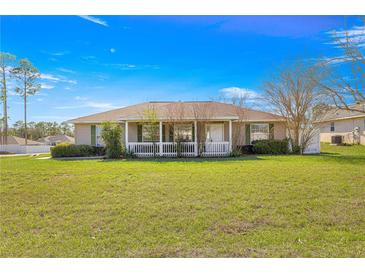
{"x":343,"y":126}
{"x":14,"y":140}
{"x":57,"y":139}
{"x":204,"y":128}
{"x":17,"y":145}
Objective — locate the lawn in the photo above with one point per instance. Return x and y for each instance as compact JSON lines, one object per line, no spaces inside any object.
{"x":264,"y":206}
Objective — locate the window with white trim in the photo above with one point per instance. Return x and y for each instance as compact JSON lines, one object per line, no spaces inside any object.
{"x":260,"y":132}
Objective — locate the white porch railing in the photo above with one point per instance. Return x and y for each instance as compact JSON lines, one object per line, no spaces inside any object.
{"x":144,"y":149}
{"x":213,"y":149}
{"x":172,"y":149}
{"x":184,"y":149}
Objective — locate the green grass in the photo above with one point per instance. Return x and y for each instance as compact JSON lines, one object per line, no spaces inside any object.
{"x":264,"y":206}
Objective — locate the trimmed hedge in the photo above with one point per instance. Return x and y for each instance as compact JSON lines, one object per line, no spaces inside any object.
{"x":69,"y":150}
{"x":270,"y":147}
{"x":246,"y":149}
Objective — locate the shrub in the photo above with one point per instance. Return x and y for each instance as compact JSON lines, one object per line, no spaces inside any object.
{"x":68,"y":150}
{"x":99,"y":151}
{"x":235,"y":153}
{"x":111,"y":135}
{"x":270,"y":147}
{"x":246,"y":149}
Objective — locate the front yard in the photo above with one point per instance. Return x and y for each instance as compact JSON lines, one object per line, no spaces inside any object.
{"x":264,"y":206}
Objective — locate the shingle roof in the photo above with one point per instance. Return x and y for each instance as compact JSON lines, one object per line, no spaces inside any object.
{"x":57,"y":138}
{"x":14,"y":140}
{"x":206,"y":110}
{"x":340,"y":114}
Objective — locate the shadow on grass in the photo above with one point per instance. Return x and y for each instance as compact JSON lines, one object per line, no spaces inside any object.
{"x":183,"y":160}
{"x":345,"y":159}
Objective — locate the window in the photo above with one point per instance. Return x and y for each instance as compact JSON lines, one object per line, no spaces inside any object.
{"x":183,"y":132}
{"x":260,"y":132}
{"x":332,"y":127}
{"x":150,"y":133}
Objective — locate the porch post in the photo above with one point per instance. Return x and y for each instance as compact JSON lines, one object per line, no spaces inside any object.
{"x":126,"y":136}
{"x":195,"y":138}
{"x":161,"y":152}
{"x":230,"y":136}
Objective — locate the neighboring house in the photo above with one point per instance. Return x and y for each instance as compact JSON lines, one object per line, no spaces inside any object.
{"x":343,"y":126}
{"x":200,"y":128}
{"x":17,"y":145}
{"x":14,"y":140}
{"x":57,"y":139}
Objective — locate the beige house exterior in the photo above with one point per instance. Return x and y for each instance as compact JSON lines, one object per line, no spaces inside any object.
{"x":200,"y":128}
{"x":348,"y":125}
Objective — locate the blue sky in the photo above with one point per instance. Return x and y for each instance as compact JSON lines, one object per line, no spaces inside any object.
{"x":95,"y":63}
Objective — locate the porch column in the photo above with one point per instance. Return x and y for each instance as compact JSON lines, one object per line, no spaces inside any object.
{"x":161,"y":152}
{"x":196,"y":138}
{"x":230,"y":136}
{"x":126,"y":135}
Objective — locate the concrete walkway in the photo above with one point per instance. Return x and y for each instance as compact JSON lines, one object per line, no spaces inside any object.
{"x":11,"y":155}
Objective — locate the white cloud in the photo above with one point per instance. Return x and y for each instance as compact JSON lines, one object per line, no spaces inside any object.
{"x":51,"y":117}
{"x":67,"y":70}
{"x":74,"y":82}
{"x":46,"y":86}
{"x":60,"y":53}
{"x":94,"y":20}
{"x":49,"y":77}
{"x":122,"y":66}
{"x":39,"y":99}
{"x":56,"y":78}
{"x":84,"y":102}
{"x":57,"y":53}
{"x":113,"y":50}
{"x":354,"y":35}
{"x":240,"y":92}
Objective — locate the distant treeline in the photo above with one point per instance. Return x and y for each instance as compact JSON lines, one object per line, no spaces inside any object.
{"x":38,"y":130}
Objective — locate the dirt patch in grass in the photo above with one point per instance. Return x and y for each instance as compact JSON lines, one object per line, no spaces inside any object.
{"x":241,"y":226}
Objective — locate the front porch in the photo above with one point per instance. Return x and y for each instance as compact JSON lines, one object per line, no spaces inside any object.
{"x":179,"y":139}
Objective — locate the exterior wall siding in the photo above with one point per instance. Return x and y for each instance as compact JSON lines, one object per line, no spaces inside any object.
{"x":279,"y":131}
{"x":83,"y":134}
{"x":344,"y":128}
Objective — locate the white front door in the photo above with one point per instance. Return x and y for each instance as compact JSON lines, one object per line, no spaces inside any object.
{"x":215,"y":132}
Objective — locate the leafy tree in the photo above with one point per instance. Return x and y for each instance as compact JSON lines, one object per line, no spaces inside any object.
{"x":66,"y":128}
{"x":27,"y":77}
{"x":6,"y":60}
{"x":111,"y":134}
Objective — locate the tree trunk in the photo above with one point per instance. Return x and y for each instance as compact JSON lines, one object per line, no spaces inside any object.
{"x":25,"y":118}
{"x":5,"y":99}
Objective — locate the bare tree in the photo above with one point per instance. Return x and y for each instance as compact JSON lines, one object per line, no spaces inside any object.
{"x":293,"y":93}
{"x":151,"y":126}
{"x":239,"y":101}
{"x":346,"y":85}
{"x":5,"y":60}
{"x":202,"y":112}
{"x":175,"y":114}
